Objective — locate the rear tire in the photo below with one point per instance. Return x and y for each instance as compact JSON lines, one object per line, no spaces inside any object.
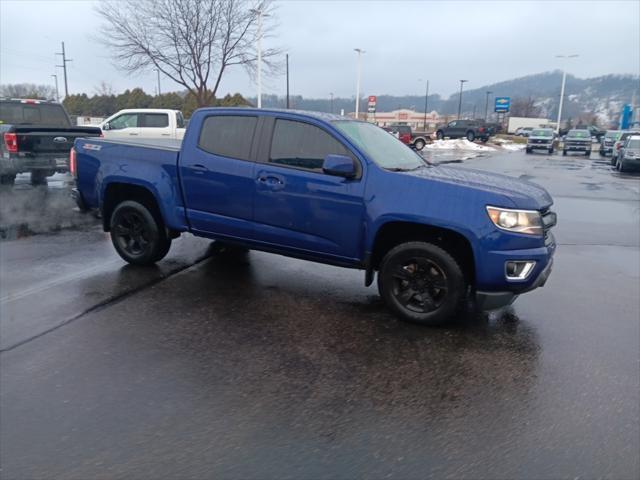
{"x":620,"y":166}
{"x":613,"y":160}
{"x":419,"y":144}
{"x":422,"y":283}
{"x":527,"y":150}
{"x":440,"y":135}
{"x":8,"y":180}
{"x":551,"y":151}
{"x":564,"y":153}
{"x":587,"y":154}
{"x":39,"y":177}
{"x":138,"y":237}
{"x":471,"y":136}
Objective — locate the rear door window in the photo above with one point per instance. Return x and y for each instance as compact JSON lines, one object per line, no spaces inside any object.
{"x":301,"y":145}
{"x":228,"y":136}
{"x":156,"y":120}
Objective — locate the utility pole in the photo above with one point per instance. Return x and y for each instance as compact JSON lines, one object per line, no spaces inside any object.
{"x":426,"y":103}
{"x":331,"y":96}
{"x":57,"y":91}
{"x":462,"y":82}
{"x":486,"y":106}
{"x":564,"y":79}
{"x":360,"y":52}
{"x":287,"y":81}
{"x":65,"y":60}
{"x":260,"y":14}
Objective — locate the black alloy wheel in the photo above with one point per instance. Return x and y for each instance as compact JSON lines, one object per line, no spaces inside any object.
{"x":422,"y":283}
{"x":137,"y":236}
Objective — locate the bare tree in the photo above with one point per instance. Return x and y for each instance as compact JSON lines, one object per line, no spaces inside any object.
{"x":28,"y":90}
{"x":525,"y":107}
{"x":193,"y":42}
{"x":104,"y":89}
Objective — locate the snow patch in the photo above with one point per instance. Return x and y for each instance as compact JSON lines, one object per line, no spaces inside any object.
{"x":458,"y":144}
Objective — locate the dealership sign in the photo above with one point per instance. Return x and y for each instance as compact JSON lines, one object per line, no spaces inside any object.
{"x":502,"y":104}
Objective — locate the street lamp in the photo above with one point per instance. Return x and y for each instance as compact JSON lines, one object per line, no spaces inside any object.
{"x":260,"y":14}
{"x":360,"y":53}
{"x":158,"y":71}
{"x":564,"y":79}
{"x":57,"y":91}
{"x":486,"y":106}
{"x":462,"y":82}
{"x":426,"y":103}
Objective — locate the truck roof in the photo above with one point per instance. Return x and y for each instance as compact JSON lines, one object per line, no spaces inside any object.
{"x":327,"y":117}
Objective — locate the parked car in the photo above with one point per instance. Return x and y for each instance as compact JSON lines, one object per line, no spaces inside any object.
{"x":608,"y":139}
{"x":37,"y":136}
{"x":629,"y":156}
{"x":327,"y":189}
{"x":594,"y":131}
{"x":144,"y":123}
{"x":524,"y":131}
{"x":469,"y":129}
{"x":617,"y":146}
{"x":577,"y":141}
{"x":541,"y":139}
{"x":407,"y":136}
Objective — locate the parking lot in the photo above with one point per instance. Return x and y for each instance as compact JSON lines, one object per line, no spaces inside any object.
{"x":222,"y":364}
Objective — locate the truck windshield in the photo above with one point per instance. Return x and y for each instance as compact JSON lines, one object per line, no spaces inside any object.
{"x":384,"y":149}
{"x":579,"y":134}
{"x":49,"y":115}
{"x":542,"y":133}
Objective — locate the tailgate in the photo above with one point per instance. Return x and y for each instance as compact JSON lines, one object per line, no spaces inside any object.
{"x":51,"y":141}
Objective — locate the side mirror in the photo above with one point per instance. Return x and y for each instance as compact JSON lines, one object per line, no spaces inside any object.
{"x":339,"y":166}
{"x":106,"y":126}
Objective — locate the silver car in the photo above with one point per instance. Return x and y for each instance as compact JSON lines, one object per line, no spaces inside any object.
{"x":540,"y":139}
{"x":629,"y":154}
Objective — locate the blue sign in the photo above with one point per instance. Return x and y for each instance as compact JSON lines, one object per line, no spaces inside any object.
{"x":502,"y":104}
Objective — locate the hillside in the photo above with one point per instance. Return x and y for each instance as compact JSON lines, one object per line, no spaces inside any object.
{"x":603,"y":96}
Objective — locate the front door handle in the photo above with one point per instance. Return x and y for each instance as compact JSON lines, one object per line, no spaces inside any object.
{"x":199,"y":168}
{"x":133,"y":134}
{"x":269,"y":180}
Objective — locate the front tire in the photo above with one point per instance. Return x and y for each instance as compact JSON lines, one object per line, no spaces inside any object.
{"x":587,"y":154}
{"x":564,"y":153}
{"x":421,"y":283}
{"x":138,"y":237}
{"x":419,"y":144}
{"x":471,"y":136}
{"x":527,"y":150}
{"x":551,"y":151}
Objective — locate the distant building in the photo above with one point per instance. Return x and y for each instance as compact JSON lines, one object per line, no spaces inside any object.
{"x":403,"y":116}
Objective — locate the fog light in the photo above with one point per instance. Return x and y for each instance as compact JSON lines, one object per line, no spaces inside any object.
{"x":519,"y":270}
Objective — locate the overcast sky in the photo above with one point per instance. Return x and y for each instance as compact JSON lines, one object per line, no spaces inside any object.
{"x":481,"y":41}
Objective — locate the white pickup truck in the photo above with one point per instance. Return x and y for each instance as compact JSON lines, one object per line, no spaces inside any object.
{"x":144,"y":123}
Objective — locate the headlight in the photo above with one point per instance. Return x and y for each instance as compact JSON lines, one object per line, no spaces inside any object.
{"x":518,"y":221}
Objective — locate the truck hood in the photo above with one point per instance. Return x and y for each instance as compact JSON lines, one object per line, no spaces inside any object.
{"x":521,"y":193}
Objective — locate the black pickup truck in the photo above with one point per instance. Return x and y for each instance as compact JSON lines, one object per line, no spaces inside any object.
{"x":469,"y":129}
{"x":37,"y":136}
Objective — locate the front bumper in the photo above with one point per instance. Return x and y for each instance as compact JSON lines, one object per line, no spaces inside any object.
{"x":494,"y":300}
{"x":578,"y":148}
{"x":539,"y":146}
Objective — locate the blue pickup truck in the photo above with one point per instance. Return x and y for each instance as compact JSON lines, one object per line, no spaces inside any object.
{"x":327,"y":189}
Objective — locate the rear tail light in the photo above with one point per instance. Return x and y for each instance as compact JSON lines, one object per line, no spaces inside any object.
{"x":73,"y":166}
{"x":481,"y":129}
{"x":11,"y":142}
{"x":618,"y":146}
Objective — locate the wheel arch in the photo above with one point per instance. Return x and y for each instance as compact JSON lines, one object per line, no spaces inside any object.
{"x":395,"y":232}
{"x":118,"y":192}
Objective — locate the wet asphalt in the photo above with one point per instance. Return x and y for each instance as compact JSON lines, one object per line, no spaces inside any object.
{"x":230,"y":365}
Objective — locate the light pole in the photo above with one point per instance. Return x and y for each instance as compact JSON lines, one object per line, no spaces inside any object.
{"x":360,"y":53}
{"x":287,"y":81}
{"x":426,"y":103}
{"x":158,"y":72}
{"x":331,"y":96}
{"x":486,"y":106}
{"x":57,"y":91}
{"x":564,"y":79}
{"x":462,"y":82}
{"x":260,"y":14}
